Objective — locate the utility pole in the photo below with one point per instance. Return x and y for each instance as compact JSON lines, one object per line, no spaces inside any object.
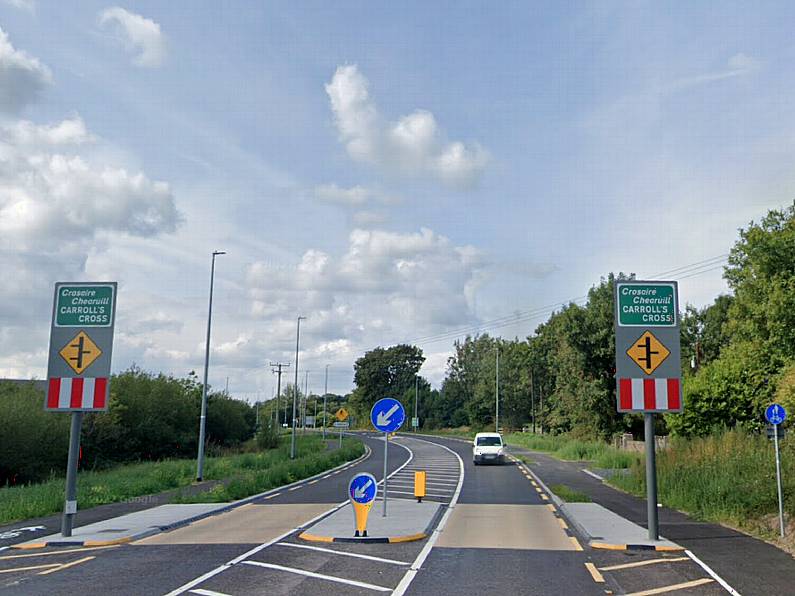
{"x":325,"y":402}
{"x":533,"y":401}
{"x":416,"y":399}
{"x":295,"y":385}
{"x":278,"y":370}
{"x":203,"y":416}
{"x":497,"y":393}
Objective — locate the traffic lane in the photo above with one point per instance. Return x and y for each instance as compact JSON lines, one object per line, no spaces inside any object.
{"x":333,"y":486}
{"x":491,"y":483}
{"x":123,"y":571}
{"x":478,"y":571}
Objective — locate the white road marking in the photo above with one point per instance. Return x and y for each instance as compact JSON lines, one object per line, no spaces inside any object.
{"x":714,"y":575}
{"x":67,"y":565}
{"x":207,"y":592}
{"x":343,"y":553}
{"x":403,"y":492}
{"x":330,"y":578}
{"x":597,"y":476}
{"x":673,"y":587}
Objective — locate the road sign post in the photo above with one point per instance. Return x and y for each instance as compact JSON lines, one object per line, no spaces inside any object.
{"x":776,"y":414}
{"x":362,"y":490}
{"x":387,"y":416}
{"x":342,"y":416}
{"x":648,"y":371}
{"x":78,"y":367}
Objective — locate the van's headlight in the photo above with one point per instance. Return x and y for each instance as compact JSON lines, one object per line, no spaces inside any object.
{"x":501,"y":451}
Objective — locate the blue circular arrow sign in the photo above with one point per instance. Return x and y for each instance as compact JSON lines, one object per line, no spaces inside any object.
{"x":362,"y":488}
{"x":387,"y":415}
{"x":775,"y":414}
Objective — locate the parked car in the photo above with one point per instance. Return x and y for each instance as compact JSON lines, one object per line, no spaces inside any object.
{"x":488,"y":448}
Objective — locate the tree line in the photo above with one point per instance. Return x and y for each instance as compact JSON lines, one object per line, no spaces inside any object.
{"x":738,"y":355}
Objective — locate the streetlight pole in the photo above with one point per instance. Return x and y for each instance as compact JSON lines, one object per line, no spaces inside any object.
{"x":325,"y":402}
{"x":295,"y":386}
{"x":497,"y":394}
{"x":416,"y":400}
{"x":203,"y":417}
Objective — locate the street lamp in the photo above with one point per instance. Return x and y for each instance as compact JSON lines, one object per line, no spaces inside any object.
{"x":497,"y":392}
{"x":295,"y":386}
{"x":203,"y":417}
{"x":325,"y":401}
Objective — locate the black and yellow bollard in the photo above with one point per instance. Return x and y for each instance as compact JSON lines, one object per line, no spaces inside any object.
{"x":419,"y":485}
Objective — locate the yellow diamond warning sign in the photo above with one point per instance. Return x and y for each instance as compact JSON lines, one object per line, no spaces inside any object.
{"x":648,"y":353}
{"x":80,"y":353}
{"x":342,"y":414}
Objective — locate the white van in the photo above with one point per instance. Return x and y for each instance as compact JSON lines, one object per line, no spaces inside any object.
{"x":488,"y":448}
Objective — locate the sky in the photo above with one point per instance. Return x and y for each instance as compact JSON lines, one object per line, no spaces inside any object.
{"x":394,"y":172}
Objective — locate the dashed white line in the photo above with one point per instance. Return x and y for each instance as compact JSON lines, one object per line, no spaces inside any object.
{"x":331,"y":578}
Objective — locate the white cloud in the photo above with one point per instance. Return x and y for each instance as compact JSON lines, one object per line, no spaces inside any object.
{"x":356,"y":195}
{"x":140,"y":36}
{"x":368,"y":219}
{"x":412,"y":146}
{"x":22,"y":77}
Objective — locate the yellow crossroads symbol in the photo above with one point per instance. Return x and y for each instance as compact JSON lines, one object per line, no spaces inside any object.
{"x":342,"y":414}
{"x":80,"y":353}
{"x":648,"y":353}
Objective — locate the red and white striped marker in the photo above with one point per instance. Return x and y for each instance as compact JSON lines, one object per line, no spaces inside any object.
{"x":649,"y":395}
{"x":79,"y":393}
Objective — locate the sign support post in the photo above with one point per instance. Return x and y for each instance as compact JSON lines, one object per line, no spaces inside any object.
{"x":776,"y":414}
{"x":70,"y":505}
{"x":386,"y":457}
{"x":651,"y":477}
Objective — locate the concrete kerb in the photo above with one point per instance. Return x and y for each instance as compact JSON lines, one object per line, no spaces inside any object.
{"x":194,"y":518}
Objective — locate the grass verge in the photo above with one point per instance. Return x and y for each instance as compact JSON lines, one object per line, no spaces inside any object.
{"x":136,"y":480}
{"x":566,"y":448}
{"x":569,"y":494}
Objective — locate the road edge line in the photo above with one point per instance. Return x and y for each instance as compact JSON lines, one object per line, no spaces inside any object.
{"x":724,"y":584}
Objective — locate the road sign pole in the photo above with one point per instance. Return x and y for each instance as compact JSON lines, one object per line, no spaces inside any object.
{"x":386,"y":455}
{"x":778,"y":483}
{"x":70,"y":506}
{"x":651,"y":477}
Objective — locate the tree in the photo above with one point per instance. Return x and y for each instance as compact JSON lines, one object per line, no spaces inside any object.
{"x":384,"y":372}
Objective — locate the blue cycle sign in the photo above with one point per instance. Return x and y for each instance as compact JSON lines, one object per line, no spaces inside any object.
{"x":362,"y":488}
{"x":775,"y":414}
{"x":387,"y":415}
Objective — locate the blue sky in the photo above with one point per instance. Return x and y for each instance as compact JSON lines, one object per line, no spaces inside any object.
{"x":390,"y":170}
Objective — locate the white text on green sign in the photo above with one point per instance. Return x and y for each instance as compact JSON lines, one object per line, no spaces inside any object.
{"x":84,"y":306}
{"x":646,"y":305}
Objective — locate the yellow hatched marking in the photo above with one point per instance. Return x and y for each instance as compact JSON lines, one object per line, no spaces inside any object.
{"x":16,"y":569}
{"x":643,"y":563}
{"x":543,"y":496}
{"x":562,"y":523}
{"x":597,"y":577}
{"x":575,"y":542}
{"x":551,"y":507}
{"x":67,"y":565}
{"x":674,"y":587}
{"x":58,"y":552}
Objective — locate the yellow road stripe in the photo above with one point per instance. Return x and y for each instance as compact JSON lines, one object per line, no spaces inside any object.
{"x":544,"y":497}
{"x":597,"y":577}
{"x":315,"y":538}
{"x":29,"y":546}
{"x":93,"y":543}
{"x":643,"y":563}
{"x":551,"y":507}
{"x":409,"y":538}
{"x":674,"y":587}
{"x":575,"y":542}
{"x":562,"y":523}
{"x":67,"y":565}
{"x":29,"y":568}
{"x":57,"y":552}
{"x":606,"y":546}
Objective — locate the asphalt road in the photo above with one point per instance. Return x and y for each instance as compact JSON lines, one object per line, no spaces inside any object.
{"x":499,"y":533}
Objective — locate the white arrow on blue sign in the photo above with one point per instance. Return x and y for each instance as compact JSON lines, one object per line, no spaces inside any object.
{"x":775,"y":414}
{"x":362,"y":488}
{"x":387,"y":415}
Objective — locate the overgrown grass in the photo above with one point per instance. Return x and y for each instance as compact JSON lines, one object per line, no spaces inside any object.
{"x":728,"y":477}
{"x":566,"y":448}
{"x":271,"y":468}
{"x":569,"y":494}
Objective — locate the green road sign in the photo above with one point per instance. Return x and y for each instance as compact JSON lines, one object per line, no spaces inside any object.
{"x":646,"y":304}
{"x":84,"y":305}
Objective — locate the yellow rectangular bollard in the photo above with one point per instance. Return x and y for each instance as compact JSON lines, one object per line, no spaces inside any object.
{"x":419,"y":485}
